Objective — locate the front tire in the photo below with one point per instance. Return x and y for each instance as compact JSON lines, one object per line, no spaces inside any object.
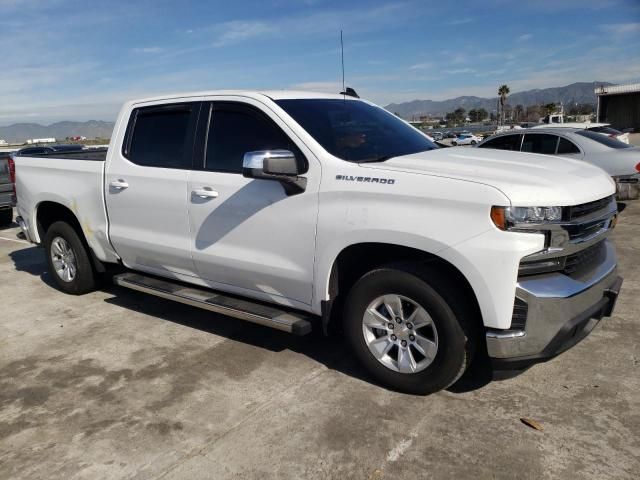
{"x":404,"y":332}
{"x":455,"y":144}
{"x":473,"y":142}
{"x":69,"y":260}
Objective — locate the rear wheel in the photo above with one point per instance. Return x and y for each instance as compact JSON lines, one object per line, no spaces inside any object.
{"x":6,"y":217}
{"x":455,"y":144}
{"x":473,"y":142}
{"x":69,"y":260}
{"x":405,"y":333}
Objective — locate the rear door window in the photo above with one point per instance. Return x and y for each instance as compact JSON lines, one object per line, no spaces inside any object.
{"x":567,"y":147}
{"x":504,"y":142}
{"x":162,"y":136}
{"x":540,"y":143}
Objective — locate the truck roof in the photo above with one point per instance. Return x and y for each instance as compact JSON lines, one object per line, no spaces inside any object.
{"x":272,"y":94}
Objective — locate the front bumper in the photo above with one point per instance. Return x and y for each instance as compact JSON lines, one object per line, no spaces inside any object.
{"x":562,"y":310}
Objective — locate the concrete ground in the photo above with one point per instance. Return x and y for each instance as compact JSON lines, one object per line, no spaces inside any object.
{"x":116,"y":384}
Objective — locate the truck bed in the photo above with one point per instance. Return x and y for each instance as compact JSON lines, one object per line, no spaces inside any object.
{"x":74,"y":180}
{"x":94,"y":154}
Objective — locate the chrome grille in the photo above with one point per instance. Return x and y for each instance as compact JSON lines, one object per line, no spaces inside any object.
{"x":578,"y":211}
{"x":584,"y":259}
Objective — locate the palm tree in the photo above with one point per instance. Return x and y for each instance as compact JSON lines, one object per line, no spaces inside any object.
{"x":503,"y":91}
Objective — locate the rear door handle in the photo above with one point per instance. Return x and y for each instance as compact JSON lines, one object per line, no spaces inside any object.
{"x":205,"y":192}
{"x":119,"y":184}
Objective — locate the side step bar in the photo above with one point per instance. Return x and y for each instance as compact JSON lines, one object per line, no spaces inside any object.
{"x":267,"y":315}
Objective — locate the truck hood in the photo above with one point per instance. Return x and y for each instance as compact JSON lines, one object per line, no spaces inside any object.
{"x":527,"y":179}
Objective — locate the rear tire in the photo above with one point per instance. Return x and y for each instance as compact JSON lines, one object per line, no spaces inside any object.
{"x":455,"y":144}
{"x":473,"y":142}
{"x":69,"y":259}
{"x":448,"y":337}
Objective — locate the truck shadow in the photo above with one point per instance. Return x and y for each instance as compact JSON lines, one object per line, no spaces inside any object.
{"x":330,"y":351}
{"x":32,"y":260}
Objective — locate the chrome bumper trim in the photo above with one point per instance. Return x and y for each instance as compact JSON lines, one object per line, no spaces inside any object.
{"x":554,"y":301}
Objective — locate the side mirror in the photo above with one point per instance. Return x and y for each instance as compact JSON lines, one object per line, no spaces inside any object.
{"x":279,"y":165}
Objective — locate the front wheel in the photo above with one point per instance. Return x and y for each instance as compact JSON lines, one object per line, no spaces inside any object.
{"x":404,"y":332}
{"x":455,"y":144}
{"x":69,"y":260}
{"x":473,"y":142}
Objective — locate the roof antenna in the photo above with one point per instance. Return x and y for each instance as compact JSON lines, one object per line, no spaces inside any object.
{"x":345,"y":91}
{"x":342,"y":55}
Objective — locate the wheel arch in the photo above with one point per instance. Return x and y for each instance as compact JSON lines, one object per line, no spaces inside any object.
{"x":48,"y":212}
{"x":356,"y":259}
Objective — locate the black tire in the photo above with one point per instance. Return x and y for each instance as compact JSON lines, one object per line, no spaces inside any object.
{"x":455,"y":144}
{"x":85,"y":279}
{"x":456,"y":340}
{"x":6,"y":217}
{"x":473,"y":142}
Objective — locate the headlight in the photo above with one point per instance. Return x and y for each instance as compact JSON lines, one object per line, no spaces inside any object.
{"x":507,"y":217}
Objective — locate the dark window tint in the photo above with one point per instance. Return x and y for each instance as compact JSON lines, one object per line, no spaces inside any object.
{"x":236,"y":130}
{"x":607,"y":130}
{"x":566,"y":147}
{"x":356,"y":131}
{"x":159,"y":136}
{"x":603,"y":139}
{"x":540,"y":143}
{"x":504,"y":142}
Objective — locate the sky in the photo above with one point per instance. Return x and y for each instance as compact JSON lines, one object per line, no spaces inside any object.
{"x":79,"y":60}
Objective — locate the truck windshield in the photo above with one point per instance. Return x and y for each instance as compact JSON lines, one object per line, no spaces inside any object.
{"x":356,"y":131}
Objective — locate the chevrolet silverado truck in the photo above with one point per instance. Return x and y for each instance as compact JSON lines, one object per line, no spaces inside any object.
{"x":302,"y":211}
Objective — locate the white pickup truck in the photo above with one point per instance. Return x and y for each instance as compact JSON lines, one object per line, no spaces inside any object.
{"x":303,"y":211}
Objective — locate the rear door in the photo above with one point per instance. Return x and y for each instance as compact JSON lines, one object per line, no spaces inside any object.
{"x":249,"y":236}
{"x":146,"y":189}
{"x":544,"y":143}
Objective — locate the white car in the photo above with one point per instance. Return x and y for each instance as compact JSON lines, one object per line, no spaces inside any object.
{"x":466,"y":139}
{"x":601,"y":128}
{"x":301,"y":211}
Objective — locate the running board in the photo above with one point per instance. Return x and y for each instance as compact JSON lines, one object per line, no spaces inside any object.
{"x":262,"y":314}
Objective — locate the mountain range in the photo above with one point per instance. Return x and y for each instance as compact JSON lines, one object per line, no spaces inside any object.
{"x":20,"y":132}
{"x":580,"y":92}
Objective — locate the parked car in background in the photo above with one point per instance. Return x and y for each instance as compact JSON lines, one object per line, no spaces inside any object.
{"x":43,"y":150}
{"x":466,"y":139}
{"x":7,"y":189}
{"x":618,"y":159}
{"x":601,"y":128}
{"x":437,"y":136}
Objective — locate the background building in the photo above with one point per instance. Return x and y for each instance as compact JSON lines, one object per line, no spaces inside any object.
{"x":619,"y":105}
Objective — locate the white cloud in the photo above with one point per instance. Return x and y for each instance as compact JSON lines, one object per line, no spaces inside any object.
{"x":460,"y":21}
{"x":524,"y":37}
{"x":421,"y":66}
{"x":147,"y":50}
{"x":621,"y":29}
{"x":459,"y":71}
{"x":239,"y":31}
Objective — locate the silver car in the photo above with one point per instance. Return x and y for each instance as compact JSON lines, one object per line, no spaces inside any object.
{"x":618,"y":159}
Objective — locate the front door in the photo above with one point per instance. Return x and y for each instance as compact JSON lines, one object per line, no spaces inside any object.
{"x":146,"y":190}
{"x":247,"y":235}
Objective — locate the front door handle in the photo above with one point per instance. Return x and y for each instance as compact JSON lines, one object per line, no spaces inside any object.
{"x":205,"y":192}
{"x":119,"y":184}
